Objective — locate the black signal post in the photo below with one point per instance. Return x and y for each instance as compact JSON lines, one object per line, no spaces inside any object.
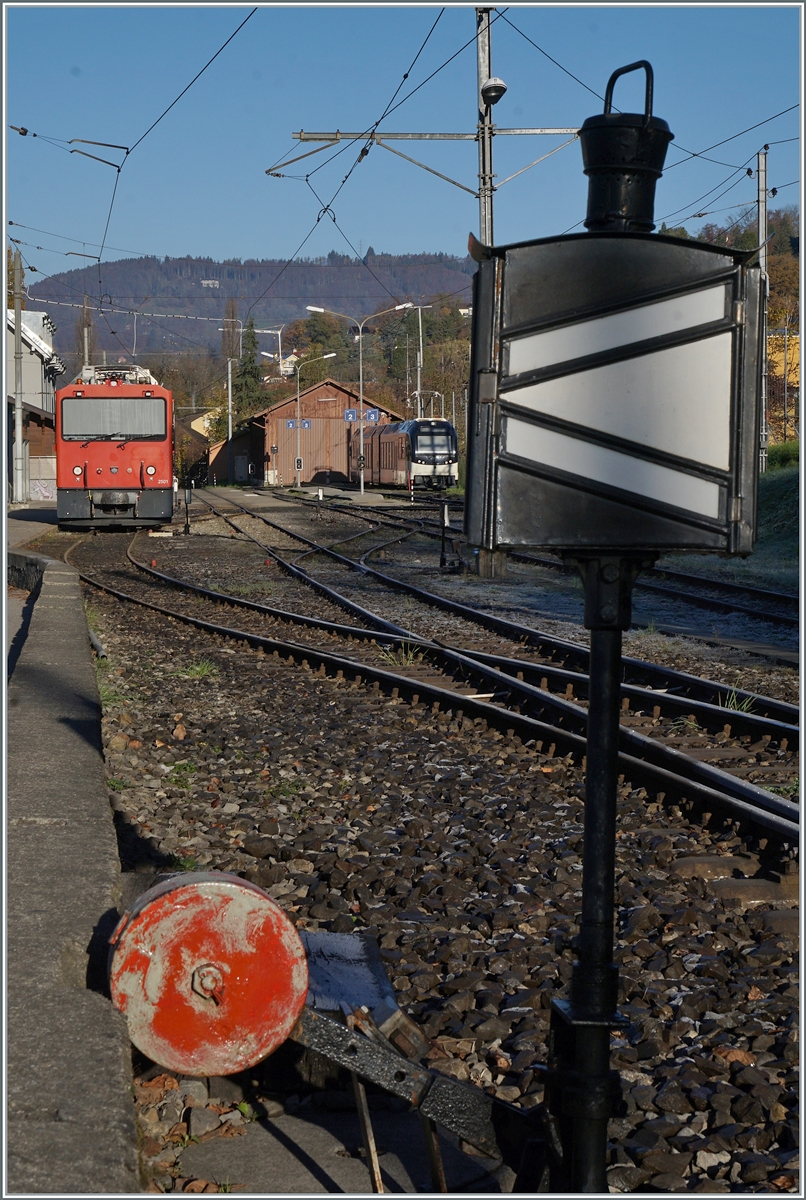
{"x":614,"y":416}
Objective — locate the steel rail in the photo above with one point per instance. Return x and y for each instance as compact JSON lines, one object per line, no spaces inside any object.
{"x":542,"y":703}
{"x":636,"y":670}
{"x":660,"y":779}
{"x":699,"y":601}
{"x":727,"y":587}
{"x":762,"y":596}
{"x":741,"y":722}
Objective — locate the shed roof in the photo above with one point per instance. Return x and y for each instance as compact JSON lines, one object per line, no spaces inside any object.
{"x":350,"y":394}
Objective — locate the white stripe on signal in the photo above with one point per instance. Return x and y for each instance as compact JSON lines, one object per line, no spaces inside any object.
{"x":538,"y":350}
{"x":676,"y":400}
{"x":604,"y":465}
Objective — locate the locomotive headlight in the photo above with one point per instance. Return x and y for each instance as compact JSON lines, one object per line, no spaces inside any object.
{"x":151,"y":470}
{"x":78,"y":470}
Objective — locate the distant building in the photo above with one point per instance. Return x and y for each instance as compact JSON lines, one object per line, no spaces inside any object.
{"x":190,"y":453}
{"x":323,"y":437}
{"x":778,"y":345}
{"x":41,"y":367}
{"x":213,"y":283}
{"x":201,"y":423}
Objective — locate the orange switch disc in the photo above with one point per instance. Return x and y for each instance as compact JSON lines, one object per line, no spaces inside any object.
{"x":209,"y":972}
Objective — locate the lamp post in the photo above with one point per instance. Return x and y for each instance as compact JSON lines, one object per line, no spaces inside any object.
{"x":230,"y":452}
{"x":298,"y":368}
{"x":360,"y":324}
{"x":222,"y":329}
{"x":279,"y":335}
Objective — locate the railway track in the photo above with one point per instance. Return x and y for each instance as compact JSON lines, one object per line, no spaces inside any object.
{"x":698,"y":591}
{"x":660,"y":750}
{"x":457,"y":846}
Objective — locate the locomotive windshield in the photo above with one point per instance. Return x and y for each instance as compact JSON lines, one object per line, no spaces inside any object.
{"x":433,"y":441}
{"x":113,"y":418}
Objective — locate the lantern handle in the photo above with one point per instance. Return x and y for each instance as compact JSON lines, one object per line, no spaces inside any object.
{"x":649,"y":84}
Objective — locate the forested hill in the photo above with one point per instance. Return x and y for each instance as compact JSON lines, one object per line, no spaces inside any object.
{"x":200,"y":287}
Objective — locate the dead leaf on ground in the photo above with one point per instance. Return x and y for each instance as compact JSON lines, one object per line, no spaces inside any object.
{"x":200,"y":1185}
{"x":160,"y":1081}
{"x":180,"y":733}
{"x":227,"y":1130}
{"x":784,"y":1183}
{"x":734,"y":1054}
{"x":755,"y":993}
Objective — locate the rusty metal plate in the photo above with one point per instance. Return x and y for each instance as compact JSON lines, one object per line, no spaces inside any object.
{"x":209,"y":972}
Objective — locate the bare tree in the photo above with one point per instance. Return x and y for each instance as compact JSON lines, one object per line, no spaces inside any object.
{"x":230,"y":342}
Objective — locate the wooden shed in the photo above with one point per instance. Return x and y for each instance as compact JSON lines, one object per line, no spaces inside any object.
{"x":323,"y":434}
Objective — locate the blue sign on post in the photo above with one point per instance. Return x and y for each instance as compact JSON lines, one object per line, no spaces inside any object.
{"x":373,"y":414}
{"x":351,"y":414}
{"x":305,"y":424}
{"x":290,"y":424}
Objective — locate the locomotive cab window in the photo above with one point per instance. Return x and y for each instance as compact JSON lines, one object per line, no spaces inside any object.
{"x":433,"y":441}
{"x":113,"y":418}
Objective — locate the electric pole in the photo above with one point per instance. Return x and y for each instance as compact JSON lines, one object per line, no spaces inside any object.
{"x":420,"y":366}
{"x":490,"y":91}
{"x":485,"y":129}
{"x":762,"y":262}
{"x":230,"y":453}
{"x":19,"y":464}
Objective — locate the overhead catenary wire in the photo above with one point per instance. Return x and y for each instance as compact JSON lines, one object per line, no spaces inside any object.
{"x":732,"y":138}
{"x":326,"y":208}
{"x":689,"y":153}
{"x":154,"y":124}
{"x":393,"y":108}
{"x":744,"y":167}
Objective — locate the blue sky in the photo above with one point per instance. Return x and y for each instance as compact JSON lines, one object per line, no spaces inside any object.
{"x":197,"y":184}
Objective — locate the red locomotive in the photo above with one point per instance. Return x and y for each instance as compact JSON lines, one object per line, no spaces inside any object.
{"x":114,"y":450}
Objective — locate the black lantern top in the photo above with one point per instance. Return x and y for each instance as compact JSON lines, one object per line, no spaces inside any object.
{"x":623,"y":155}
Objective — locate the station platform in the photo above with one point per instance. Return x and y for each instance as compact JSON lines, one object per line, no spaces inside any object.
{"x":70,"y":1126}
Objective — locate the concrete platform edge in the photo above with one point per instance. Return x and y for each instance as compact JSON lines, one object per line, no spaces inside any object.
{"x":70,"y":1122}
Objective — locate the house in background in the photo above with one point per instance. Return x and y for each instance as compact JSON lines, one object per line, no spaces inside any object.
{"x":323,"y":436}
{"x":190,"y":453}
{"x":246,"y":450}
{"x":41,"y":367}
{"x":202,"y":422}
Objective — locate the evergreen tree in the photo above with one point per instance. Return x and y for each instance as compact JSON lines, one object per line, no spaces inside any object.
{"x":247,"y":395}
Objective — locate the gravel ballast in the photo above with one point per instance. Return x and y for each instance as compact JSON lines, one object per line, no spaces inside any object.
{"x":460,"y":849}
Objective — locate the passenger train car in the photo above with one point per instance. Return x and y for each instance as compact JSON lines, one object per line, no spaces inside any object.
{"x":419,"y":453}
{"x":114,"y":450}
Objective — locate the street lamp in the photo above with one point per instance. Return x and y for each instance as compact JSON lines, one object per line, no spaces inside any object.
{"x":298,"y":368}
{"x":360,"y":324}
{"x":279,"y":335}
{"x":222,"y":329}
